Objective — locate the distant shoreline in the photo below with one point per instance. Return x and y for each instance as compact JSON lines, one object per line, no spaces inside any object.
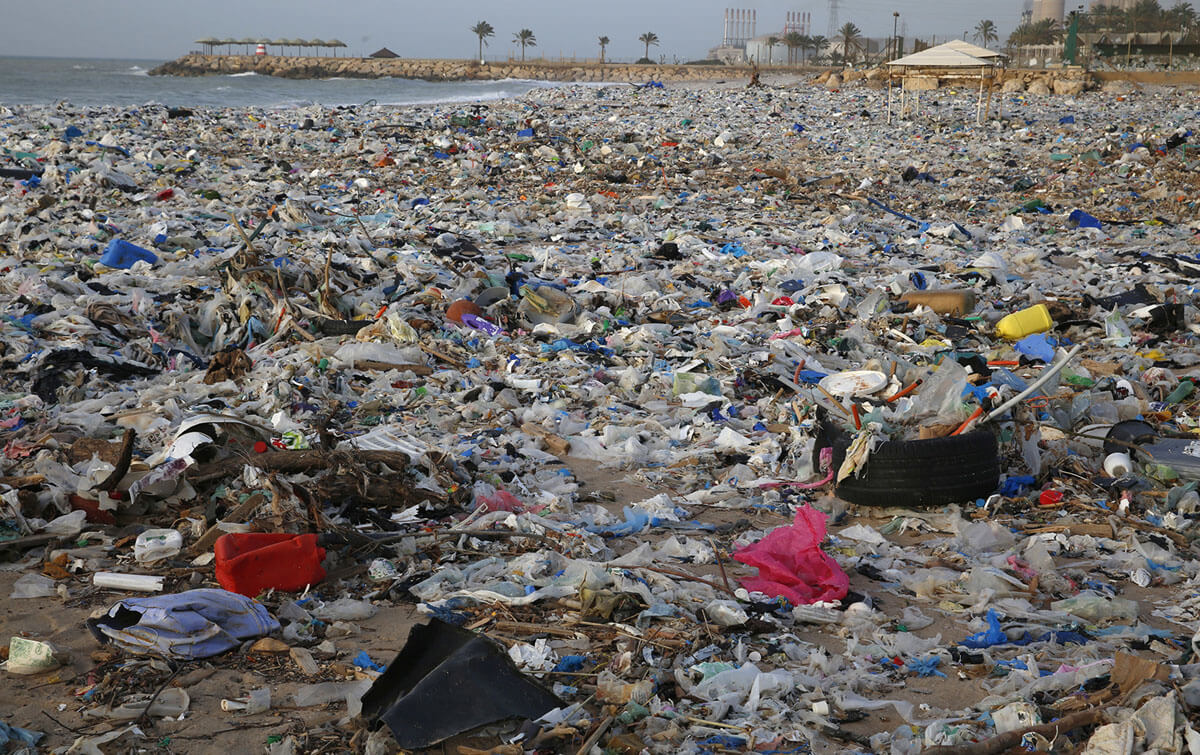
{"x":451,"y":70}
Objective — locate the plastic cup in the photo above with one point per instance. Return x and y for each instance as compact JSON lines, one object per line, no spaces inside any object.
{"x":1118,"y":465}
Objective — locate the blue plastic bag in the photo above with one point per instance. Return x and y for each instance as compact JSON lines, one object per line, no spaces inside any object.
{"x":120,"y":253}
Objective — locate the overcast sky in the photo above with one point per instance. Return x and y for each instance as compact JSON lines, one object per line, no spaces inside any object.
{"x":165,"y":29}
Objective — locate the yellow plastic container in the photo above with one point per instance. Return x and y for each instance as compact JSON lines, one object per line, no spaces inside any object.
{"x":1026,"y":322}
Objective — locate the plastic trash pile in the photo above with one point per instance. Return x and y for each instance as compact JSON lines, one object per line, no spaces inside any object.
{"x":676,"y":420}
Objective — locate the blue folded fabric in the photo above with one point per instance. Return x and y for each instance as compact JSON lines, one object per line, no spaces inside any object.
{"x":187,"y":625}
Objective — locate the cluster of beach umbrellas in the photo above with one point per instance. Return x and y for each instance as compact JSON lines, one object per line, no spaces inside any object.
{"x":210,"y":43}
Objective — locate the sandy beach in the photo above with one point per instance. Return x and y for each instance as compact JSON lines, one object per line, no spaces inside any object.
{"x":659,"y":285}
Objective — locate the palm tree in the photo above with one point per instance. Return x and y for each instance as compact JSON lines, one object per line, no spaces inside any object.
{"x":525,"y":39}
{"x":649,"y":38}
{"x":483,"y":30}
{"x":793,"y":40}
{"x":851,"y":39}
{"x":771,"y":42}
{"x":816,"y":43}
{"x":985,"y":32}
{"x":1047,"y":31}
{"x":1143,"y":16}
{"x":1044,"y":32}
{"x":1181,"y":16}
{"x":1107,"y":17}
{"x":603,"y":44}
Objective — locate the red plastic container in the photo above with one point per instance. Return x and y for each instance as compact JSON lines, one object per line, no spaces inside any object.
{"x":250,"y":562}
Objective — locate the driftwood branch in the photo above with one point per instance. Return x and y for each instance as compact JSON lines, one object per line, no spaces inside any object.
{"x":1010,"y":739}
{"x":23,"y":481}
{"x":297,"y":461}
{"x":123,"y":462}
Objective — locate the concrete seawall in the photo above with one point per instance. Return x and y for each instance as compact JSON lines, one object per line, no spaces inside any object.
{"x":440,"y":70}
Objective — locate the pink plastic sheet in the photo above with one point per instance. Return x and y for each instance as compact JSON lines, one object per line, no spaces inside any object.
{"x":792,"y":565}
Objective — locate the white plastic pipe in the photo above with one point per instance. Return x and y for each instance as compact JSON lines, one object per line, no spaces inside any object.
{"x":137,"y":582}
{"x":1048,"y":373}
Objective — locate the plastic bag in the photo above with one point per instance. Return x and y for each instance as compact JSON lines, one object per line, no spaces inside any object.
{"x":792,"y":565}
{"x":33,"y":586}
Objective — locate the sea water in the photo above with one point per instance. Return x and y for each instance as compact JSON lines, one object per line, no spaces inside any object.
{"x":96,"y":82}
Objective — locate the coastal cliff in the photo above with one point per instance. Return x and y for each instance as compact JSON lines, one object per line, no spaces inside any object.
{"x":440,"y":70}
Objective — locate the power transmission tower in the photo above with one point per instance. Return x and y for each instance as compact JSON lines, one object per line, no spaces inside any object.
{"x":833,"y":19}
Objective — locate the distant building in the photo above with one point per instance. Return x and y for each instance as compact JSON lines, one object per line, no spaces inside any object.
{"x":728,"y":54}
{"x":1051,"y":10}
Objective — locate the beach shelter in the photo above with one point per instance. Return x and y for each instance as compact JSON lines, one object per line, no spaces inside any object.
{"x":228,"y":42}
{"x":207,"y":43}
{"x":944,"y":61}
{"x":335,"y":44}
{"x":297,"y":43}
{"x":280,"y":44}
{"x":974,"y":50}
{"x":318,"y":43}
{"x":384,"y":52}
{"x":247,"y":42}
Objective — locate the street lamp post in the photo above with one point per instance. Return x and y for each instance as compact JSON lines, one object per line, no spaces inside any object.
{"x":895,"y":39}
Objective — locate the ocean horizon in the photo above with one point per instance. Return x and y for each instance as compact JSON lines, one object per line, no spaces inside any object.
{"x":98,"y":82}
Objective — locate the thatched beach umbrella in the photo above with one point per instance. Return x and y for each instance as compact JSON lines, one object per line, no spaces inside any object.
{"x":335,"y":43}
{"x":228,"y":42}
{"x":318,"y":43}
{"x":280,"y":43}
{"x":246,"y":43}
{"x":297,"y":43}
{"x":208,"y":43}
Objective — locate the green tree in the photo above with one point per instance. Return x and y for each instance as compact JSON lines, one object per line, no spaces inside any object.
{"x":525,"y":39}
{"x":816,"y":43}
{"x":483,"y":30}
{"x":649,"y":38}
{"x":771,"y":42}
{"x":1145,"y":15}
{"x":1106,"y":18}
{"x":1180,"y":16}
{"x":852,"y":42}
{"x":603,"y":45}
{"x":793,"y":40}
{"x":985,"y":32}
{"x":1044,"y":32}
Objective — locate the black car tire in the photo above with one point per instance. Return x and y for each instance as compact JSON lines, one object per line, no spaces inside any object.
{"x":923,"y":473}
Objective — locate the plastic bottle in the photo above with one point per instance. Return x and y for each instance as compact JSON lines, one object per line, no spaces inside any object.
{"x":249,"y":562}
{"x":1026,"y":322}
{"x":1180,"y":454}
{"x":153,"y":545}
{"x":1182,"y":391}
{"x":611,"y":688}
{"x":951,"y":302}
{"x":689,"y":382}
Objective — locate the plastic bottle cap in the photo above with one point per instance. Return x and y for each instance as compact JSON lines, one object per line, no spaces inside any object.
{"x":260,"y":447}
{"x":1050,"y":497}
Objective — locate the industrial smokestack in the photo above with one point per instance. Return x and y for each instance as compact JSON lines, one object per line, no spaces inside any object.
{"x":754,"y":23}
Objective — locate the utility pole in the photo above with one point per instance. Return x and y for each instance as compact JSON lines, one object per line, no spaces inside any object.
{"x":895,"y":46}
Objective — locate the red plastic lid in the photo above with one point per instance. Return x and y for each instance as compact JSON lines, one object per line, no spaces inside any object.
{"x":1050,"y":497}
